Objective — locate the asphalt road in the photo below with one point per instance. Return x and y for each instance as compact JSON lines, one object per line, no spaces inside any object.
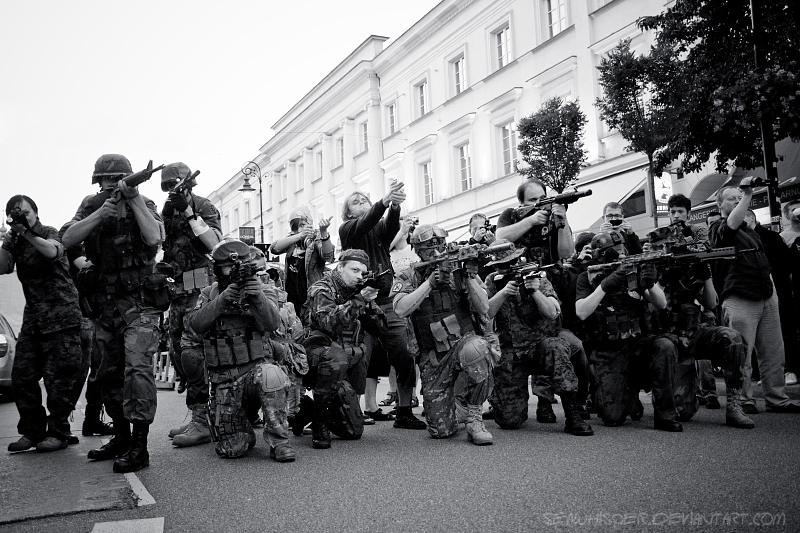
{"x":533,"y":479}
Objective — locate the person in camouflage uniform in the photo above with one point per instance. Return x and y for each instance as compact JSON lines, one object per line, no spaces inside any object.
{"x":235,"y":317}
{"x":692,"y":329}
{"x":545,"y":243}
{"x":625,"y":356}
{"x":192,"y":228}
{"x":526,"y":319}
{"x":441,"y":304}
{"x":49,"y":343}
{"x":121,"y":235}
{"x":343,"y":323}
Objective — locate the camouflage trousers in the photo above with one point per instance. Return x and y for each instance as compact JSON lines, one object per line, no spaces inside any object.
{"x":229,"y":403}
{"x":622,"y":368}
{"x":179,"y":306}
{"x":717,"y":346}
{"x":550,"y":358}
{"x":340,"y":368}
{"x":470,"y":363}
{"x":56,"y":357}
{"x":542,"y":384}
{"x":126,"y":345}
{"x":90,"y":362}
{"x":193,"y":369}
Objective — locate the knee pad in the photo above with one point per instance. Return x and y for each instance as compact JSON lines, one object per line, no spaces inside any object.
{"x":474,"y":355}
{"x":270,"y":377}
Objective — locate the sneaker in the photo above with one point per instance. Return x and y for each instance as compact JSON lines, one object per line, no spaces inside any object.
{"x":749,"y":409}
{"x":24,"y":443}
{"x":51,"y":444}
{"x":790,"y":378}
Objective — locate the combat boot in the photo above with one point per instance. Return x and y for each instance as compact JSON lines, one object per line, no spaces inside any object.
{"x":282,"y":453}
{"x":321,"y":435}
{"x":197,"y":433}
{"x":174,"y":432}
{"x":137,"y":456}
{"x":574,"y":424}
{"x":734,"y":416}
{"x":118,"y":444}
{"x":93,"y":424}
{"x":544,"y":412}
{"x":406,"y":419}
{"x":476,"y":431}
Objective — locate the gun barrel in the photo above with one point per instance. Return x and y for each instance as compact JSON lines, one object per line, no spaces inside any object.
{"x":571,"y":197}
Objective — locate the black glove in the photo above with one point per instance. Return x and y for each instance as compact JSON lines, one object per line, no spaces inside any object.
{"x":701,"y":271}
{"x":648,"y":275}
{"x":617,"y":281}
{"x":178,"y":201}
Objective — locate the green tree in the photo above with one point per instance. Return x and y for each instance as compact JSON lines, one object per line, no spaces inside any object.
{"x":551,"y":143}
{"x":648,"y":118}
{"x":712,"y":42}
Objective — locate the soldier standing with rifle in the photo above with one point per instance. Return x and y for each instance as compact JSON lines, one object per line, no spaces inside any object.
{"x":121,"y":231}
{"x":192,"y":228}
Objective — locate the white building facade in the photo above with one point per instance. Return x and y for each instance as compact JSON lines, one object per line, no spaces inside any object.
{"x":437,"y":109}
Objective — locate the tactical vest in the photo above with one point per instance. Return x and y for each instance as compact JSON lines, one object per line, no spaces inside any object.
{"x":618,"y":317}
{"x":182,"y":249}
{"x":233,"y":342}
{"x":442,"y":319}
{"x":124,"y":262}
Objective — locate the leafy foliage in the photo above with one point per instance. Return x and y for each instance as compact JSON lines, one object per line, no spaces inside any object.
{"x":711,"y":42}
{"x":551,"y":144}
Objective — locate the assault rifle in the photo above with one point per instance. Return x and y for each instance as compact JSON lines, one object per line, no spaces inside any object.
{"x":520,"y":272}
{"x":183,"y":184}
{"x":547,"y":203}
{"x":630,"y":264}
{"x":371,"y":279}
{"x":455,"y":254}
{"x":134,"y":180}
{"x":242,"y":270}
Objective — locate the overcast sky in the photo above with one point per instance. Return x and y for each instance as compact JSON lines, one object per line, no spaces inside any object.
{"x":195,"y":81}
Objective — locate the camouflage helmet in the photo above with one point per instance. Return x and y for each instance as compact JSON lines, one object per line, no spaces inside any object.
{"x":175,"y":172}
{"x":228,"y":250}
{"x":111,"y":165}
{"x":426,"y":232}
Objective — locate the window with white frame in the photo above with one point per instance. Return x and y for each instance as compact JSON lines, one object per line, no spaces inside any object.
{"x":340,"y":151}
{"x":427,"y":182}
{"x":235,"y":217}
{"x":502,"y":46}
{"x":318,"y":156}
{"x":464,"y":167}
{"x":458,"y":74}
{"x":284,"y":186}
{"x":299,"y":177}
{"x":247,"y":210}
{"x":269,"y":196}
{"x":508,"y":146}
{"x":556,"y":16}
{"x":421,"y":97}
{"x":391,"y":112}
{"x":226,"y":224}
{"x":364,"y":137}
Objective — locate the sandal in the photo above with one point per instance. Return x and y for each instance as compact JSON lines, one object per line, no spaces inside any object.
{"x":391,"y":397}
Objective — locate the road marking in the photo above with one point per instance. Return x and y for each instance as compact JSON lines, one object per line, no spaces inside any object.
{"x":144,"y":497}
{"x":144,"y":525}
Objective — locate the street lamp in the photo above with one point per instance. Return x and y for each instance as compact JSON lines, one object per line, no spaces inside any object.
{"x":251,"y":168}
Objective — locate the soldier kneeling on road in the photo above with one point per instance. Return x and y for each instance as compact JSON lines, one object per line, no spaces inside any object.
{"x":235,"y":315}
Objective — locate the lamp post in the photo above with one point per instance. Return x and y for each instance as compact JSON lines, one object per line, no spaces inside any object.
{"x":251,"y":168}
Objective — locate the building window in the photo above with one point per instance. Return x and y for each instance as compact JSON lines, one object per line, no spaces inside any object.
{"x":459,"y":73}
{"x":508,"y":136}
{"x":235,"y":217}
{"x":340,"y":151}
{"x":421,"y":94}
{"x":300,"y":177}
{"x":226,"y":226}
{"x":391,"y":110}
{"x":556,"y":16}
{"x":464,"y":167}
{"x":284,"y":186}
{"x":319,"y":164}
{"x":364,"y":138}
{"x":247,"y":210}
{"x":269,"y":195}
{"x":502,"y":43}
{"x":427,"y":182}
